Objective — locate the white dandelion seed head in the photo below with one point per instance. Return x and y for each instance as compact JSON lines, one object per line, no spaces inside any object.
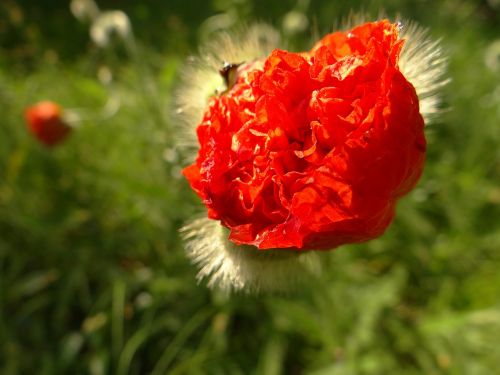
{"x":230,"y":267}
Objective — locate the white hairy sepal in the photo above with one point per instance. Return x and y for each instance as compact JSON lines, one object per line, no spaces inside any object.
{"x":421,"y":61}
{"x":230,"y":267}
{"x":423,"y":64}
{"x":200,"y":77}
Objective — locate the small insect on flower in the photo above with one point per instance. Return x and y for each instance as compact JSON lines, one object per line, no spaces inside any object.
{"x":306,"y":151}
{"x":45,"y":121}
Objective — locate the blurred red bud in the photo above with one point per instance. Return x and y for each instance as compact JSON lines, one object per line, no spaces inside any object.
{"x":45,"y":122}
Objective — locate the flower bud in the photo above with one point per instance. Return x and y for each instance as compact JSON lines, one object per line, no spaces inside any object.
{"x":311,"y":150}
{"x":46,"y":123}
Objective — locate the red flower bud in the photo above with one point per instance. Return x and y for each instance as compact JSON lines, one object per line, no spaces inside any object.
{"x":45,"y":122}
{"x":312,"y":150}
{"x":302,"y":151}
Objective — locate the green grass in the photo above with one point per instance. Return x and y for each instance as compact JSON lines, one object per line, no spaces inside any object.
{"x":93,"y":277}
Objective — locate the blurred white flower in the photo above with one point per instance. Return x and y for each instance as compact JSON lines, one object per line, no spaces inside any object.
{"x":84,"y":10}
{"x":108,"y":24}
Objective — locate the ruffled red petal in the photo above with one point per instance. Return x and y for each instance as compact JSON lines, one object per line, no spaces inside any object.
{"x":312,"y":150}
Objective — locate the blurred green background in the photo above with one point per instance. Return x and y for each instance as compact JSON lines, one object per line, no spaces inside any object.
{"x":93,"y":278}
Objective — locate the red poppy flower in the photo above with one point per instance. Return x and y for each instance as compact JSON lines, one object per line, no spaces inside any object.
{"x":45,"y":122}
{"x":312,"y":150}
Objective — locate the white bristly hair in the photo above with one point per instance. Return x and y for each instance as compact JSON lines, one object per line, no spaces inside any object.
{"x":244,"y":268}
{"x":224,"y":264}
{"x":200,"y":78}
{"x":423,"y":64}
{"x":421,"y":61}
